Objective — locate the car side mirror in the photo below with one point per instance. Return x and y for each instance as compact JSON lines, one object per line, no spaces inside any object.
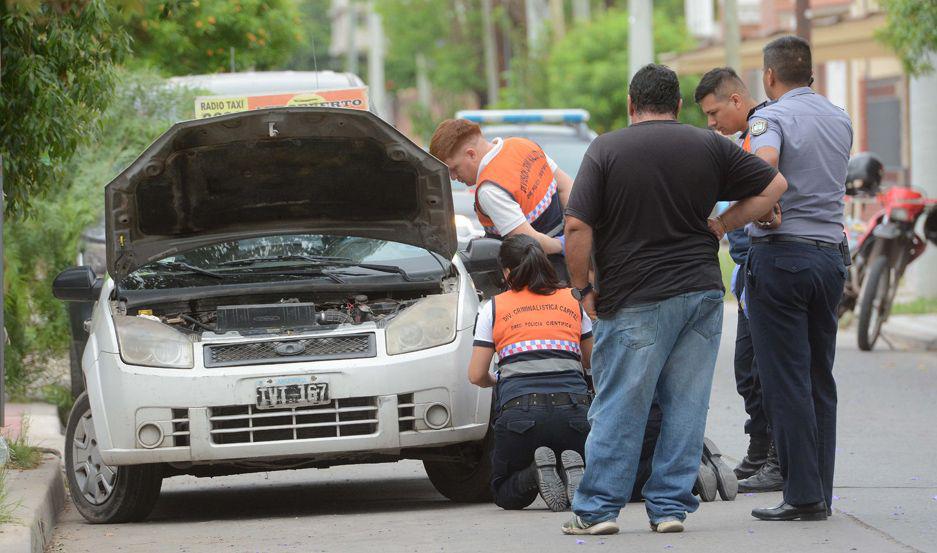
{"x":481,"y":255}
{"x":77,"y":284}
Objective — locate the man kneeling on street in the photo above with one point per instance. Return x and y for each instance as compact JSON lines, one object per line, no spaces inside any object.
{"x":640,"y":205}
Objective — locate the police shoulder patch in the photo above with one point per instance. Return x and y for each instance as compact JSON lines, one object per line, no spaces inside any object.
{"x":758,"y":127}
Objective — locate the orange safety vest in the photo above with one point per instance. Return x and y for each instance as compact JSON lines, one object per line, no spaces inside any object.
{"x":528,"y":322}
{"x":747,"y":141}
{"x":520,"y":168}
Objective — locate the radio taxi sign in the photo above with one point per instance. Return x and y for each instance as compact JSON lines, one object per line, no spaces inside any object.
{"x":349,"y":98}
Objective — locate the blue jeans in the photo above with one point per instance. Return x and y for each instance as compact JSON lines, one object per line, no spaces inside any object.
{"x":668,"y":350}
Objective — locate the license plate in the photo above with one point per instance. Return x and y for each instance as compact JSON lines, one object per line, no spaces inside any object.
{"x":291,"y":392}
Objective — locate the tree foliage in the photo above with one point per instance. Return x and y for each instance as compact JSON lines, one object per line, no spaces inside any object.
{"x":180,"y":37}
{"x":58,"y":62}
{"x":589,"y":68}
{"x":911,"y":30}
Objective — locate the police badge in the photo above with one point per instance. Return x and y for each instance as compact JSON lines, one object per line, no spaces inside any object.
{"x":758,"y":127}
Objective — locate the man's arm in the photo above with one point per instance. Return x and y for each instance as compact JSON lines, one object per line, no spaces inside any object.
{"x":578,"y":252}
{"x":549,"y":245}
{"x":564,"y":186}
{"x":745,"y":211}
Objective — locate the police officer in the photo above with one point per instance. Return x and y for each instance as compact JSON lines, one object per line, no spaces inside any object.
{"x":795,"y":277}
{"x":725,"y":100}
{"x":520,"y":189}
{"x":542,"y":340}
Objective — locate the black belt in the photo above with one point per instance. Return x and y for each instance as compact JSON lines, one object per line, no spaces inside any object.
{"x":558,"y":398}
{"x":795,"y":240}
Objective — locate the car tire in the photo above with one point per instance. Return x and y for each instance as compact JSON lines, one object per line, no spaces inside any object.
{"x":74,"y":362}
{"x":103,"y":494}
{"x":466,"y":481}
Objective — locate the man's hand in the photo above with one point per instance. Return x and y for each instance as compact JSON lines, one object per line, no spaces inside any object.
{"x":717,"y":227}
{"x":771,"y":220}
{"x":588,"y":305}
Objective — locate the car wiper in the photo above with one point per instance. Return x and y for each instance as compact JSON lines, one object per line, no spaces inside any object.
{"x":183,"y":266}
{"x":292,"y":257}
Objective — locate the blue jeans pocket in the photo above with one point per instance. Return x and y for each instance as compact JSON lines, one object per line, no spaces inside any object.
{"x":708,"y":321}
{"x":637,"y":326}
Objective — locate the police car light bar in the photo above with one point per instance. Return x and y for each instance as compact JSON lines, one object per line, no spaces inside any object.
{"x":516,"y":116}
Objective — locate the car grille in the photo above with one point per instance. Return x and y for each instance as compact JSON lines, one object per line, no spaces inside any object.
{"x":180,"y":427}
{"x":405,"y":418}
{"x":239,"y":424}
{"x":291,"y":351}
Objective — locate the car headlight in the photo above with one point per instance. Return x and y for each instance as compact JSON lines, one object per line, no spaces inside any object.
{"x":152,"y":344}
{"x":428,"y":323}
{"x":899,"y":214}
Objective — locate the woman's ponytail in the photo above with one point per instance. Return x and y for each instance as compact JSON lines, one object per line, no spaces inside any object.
{"x":527,"y":265}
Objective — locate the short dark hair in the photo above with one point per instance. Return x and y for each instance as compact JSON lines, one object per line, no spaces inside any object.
{"x":719,"y":82}
{"x":789,"y":58}
{"x":655,"y":89}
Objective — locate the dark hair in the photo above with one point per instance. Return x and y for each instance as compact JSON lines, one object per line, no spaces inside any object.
{"x":789,"y":58}
{"x":655,"y":89}
{"x":718,"y":82}
{"x":528,"y":265}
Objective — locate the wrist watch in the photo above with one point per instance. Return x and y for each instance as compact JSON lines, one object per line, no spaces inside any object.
{"x":580,"y":293}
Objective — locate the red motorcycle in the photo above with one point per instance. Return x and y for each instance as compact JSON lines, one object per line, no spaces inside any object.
{"x":885,"y":250}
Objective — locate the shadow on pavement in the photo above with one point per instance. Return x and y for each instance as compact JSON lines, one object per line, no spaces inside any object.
{"x":278,"y":499}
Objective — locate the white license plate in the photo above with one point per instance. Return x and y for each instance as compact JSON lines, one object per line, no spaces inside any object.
{"x":291,"y":391}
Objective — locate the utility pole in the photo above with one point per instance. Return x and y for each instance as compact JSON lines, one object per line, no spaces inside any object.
{"x":558,"y":19}
{"x":423,"y":88}
{"x":376,"y":78}
{"x":533,"y":13}
{"x":640,"y":35}
{"x":923,"y":118}
{"x":803,"y":23}
{"x":491,"y":59}
{"x":351,"y":39}
{"x":733,"y":37}
{"x":581,"y":11}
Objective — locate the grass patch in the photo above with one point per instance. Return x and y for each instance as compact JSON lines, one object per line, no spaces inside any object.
{"x":22,"y":454}
{"x":727,"y":266}
{"x":61,"y":397}
{"x":6,"y":506}
{"x":920,"y":306}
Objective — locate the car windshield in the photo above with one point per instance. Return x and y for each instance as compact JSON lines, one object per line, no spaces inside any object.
{"x":566,"y":150}
{"x":334,"y":259}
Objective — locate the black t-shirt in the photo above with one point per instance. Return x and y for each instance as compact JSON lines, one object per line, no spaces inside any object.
{"x":647,"y":191}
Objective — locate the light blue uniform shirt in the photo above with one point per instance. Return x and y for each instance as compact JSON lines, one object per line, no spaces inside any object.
{"x":813,"y":139}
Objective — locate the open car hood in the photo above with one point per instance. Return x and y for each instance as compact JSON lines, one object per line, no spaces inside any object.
{"x":277,"y":171}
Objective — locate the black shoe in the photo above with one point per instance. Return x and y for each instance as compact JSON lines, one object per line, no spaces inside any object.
{"x":551,"y":486}
{"x":726,"y":482}
{"x":705,"y":486}
{"x":573,"y":469}
{"x":813,"y":511}
{"x":767,"y":479}
{"x":755,"y":458}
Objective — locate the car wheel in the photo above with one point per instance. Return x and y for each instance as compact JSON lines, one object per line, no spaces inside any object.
{"x":101,"y":493}
{"x":74,"y":361}
{"x":467,"y":481}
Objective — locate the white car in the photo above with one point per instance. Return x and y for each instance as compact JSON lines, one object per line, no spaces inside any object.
{"x":283,"y":291}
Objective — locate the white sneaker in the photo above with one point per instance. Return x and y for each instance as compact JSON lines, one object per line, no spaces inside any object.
{"x":667,"y":526}
{"x":578,"y":527}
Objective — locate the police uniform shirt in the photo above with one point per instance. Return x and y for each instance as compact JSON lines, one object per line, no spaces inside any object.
{"x":813,"y":139}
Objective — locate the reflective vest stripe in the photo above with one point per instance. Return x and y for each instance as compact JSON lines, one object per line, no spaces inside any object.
{"x":538,"y":345}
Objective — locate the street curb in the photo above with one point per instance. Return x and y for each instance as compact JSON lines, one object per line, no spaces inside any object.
{"x":40,"y":494}
{"x":911,"y":335}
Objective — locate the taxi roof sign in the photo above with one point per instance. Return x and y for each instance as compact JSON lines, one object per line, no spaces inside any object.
{"x":520,"y":116}
{"x":348,"y":98}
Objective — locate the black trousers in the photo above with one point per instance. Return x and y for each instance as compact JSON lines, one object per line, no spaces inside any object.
{"x":518,"y":432}
{"x":747,"y":382}
{"x":793,"y":291}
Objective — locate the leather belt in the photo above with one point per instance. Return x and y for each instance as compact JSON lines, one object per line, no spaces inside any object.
{"x":558,"y":398}
{"x":795,"y":240}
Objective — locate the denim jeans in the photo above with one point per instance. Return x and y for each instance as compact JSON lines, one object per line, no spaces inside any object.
{"x":668,"y":350}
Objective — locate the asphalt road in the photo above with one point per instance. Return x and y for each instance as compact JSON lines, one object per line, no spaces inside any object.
{"x":886,"y":490}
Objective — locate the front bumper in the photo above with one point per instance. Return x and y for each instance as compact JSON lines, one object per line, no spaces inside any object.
{"x":208,"y":415}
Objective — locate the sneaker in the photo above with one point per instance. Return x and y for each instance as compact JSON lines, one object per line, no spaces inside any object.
{"x":578,"y":527}
{"x":573,"y":469}
{"x":706,"y":486}
{"x":726,"y":482}
{"x":551,"y":486}
{"x":670,"y":526}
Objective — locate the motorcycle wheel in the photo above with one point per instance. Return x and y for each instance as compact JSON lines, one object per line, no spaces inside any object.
{"x":873,"y":303}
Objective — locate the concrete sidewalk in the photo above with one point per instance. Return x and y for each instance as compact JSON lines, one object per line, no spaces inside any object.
{"x":37,"y":495}
{"x":912,"y":331}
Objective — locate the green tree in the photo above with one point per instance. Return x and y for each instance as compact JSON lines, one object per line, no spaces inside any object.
{"x":911,"y":30}
{"x":58,"y":62}
{"x":180,"y":37}
{"x":589,"y":68}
